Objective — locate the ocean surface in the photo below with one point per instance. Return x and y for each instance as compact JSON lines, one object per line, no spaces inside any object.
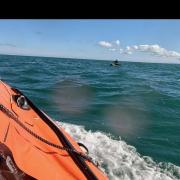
{"x":128,"y":116}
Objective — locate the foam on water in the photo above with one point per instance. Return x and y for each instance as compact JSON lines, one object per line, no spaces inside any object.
{"x":120,"y":160}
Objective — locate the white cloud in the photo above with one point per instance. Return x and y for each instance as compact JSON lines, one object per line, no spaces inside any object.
{"x":113,"y":45}
{"x":128,"y":48}
{"x":156,"y":50}
{"x":153,"y":49}
{"x":121,"y":50}
{"x":135,"y":47}
{"x":112,"y":49}
{"x":105,"y":44}
{"x":117,"y":42}
{"x":127,"y":52}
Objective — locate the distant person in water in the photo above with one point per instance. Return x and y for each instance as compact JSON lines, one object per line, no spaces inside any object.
{"x":116,"y":62}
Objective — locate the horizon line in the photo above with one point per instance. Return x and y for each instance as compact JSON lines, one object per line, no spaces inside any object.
{"x":75,"y":58}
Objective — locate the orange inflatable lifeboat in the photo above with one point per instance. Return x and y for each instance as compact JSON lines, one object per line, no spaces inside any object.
{"x":33,"y":147}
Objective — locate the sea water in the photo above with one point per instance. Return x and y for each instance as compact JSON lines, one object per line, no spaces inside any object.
{"x":128,"y":116}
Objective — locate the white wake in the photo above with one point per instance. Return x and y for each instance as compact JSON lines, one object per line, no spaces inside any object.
{"x":120,"y":160}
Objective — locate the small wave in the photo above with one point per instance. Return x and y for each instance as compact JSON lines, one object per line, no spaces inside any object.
{"x":120,"y":160}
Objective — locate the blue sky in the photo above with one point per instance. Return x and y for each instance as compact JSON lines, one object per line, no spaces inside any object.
{"x":127,"y":40}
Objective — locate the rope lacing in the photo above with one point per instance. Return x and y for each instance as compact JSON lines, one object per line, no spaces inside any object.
{"x":12,"y":116}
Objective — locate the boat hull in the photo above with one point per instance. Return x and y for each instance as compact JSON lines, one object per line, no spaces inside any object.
{"x":39,"y":148}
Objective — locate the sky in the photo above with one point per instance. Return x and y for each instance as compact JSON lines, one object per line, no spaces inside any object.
{"x":122,"y":39}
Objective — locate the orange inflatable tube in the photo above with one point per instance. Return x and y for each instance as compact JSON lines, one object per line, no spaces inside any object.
{"x":39,"y":148}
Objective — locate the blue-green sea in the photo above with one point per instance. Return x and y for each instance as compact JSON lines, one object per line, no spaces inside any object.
{"x":128,"y":116}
